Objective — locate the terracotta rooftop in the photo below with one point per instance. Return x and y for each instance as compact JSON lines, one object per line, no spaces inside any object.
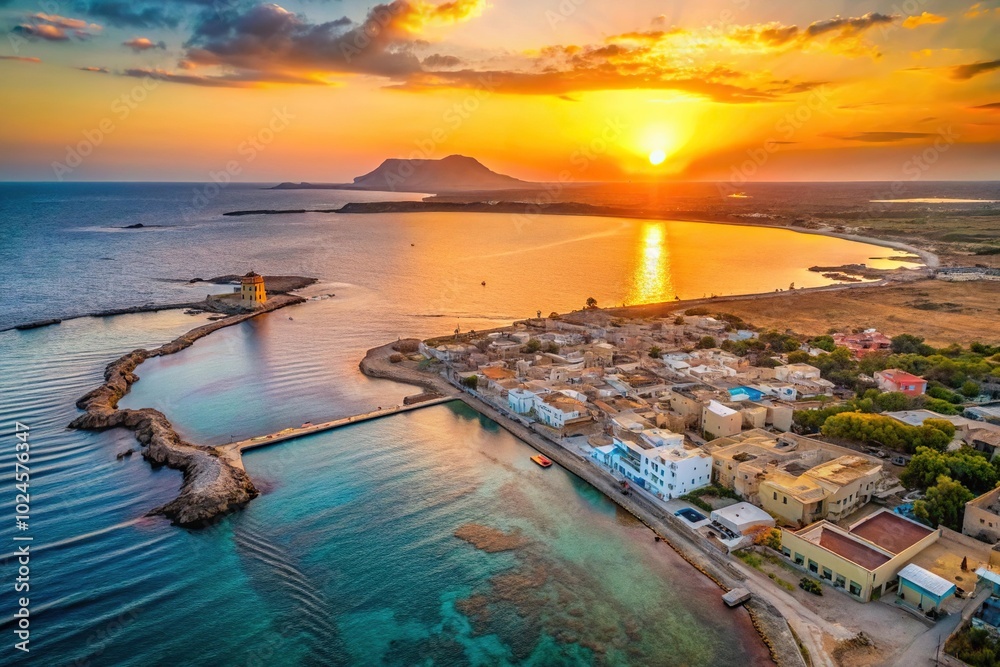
{"x":852,"y":550}
{"x":891,"y":531}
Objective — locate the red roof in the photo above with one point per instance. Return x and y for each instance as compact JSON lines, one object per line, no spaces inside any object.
{"x":891,"y":531}
{"x":899,"y":376}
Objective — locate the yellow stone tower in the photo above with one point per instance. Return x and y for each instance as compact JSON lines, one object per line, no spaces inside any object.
{"x":252,"y":288}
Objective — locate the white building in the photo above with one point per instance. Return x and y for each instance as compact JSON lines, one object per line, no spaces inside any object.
{"x":667,"y":470}
{"x":557,"y":409}
{"x":521,"y":401}
{"x":742,"y":517}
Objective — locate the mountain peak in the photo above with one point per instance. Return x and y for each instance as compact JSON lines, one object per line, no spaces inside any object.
{"x":451,"y":173}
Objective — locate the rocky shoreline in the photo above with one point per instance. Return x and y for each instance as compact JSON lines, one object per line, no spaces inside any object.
{"x":212,"y":485}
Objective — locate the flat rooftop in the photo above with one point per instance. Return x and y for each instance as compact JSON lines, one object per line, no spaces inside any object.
{"x":891,"y":531}
{"x":851,"y":549}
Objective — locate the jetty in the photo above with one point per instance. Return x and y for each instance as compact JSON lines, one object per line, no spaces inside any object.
{"x":233,"y":451}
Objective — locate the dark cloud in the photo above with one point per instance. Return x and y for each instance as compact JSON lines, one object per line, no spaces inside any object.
{"x":964,"y":72}
{"x":238,"y":80}
{"x":992,"y":106}
{"x":849,"y":25}
{"x":886,"y":137}
{"x":438,"y":61}
{"x":268,"y":37}
{"x":134,"y":14}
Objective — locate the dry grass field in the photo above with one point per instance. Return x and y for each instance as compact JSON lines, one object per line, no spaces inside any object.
{"x":942,"y":312}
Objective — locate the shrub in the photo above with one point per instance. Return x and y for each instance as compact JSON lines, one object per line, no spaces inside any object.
{"x":810,"y":586}
{"x":471,"y":381}
{"x":706,"y":343}
{"x":696,"y":311}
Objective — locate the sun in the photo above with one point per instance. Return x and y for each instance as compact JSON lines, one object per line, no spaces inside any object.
{"x":657,"y":156}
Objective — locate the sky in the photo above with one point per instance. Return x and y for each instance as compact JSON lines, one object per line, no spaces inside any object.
{"x":588,"y":90}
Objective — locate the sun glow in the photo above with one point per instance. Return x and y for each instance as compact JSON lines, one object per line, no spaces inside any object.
{"x":657,"y":156}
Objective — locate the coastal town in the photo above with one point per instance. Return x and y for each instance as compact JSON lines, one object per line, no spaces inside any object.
{"x":829,"y":480}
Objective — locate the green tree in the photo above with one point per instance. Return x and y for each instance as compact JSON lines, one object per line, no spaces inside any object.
{"x":471,"y":381}
{"x":910,"y":344}
{"x":891,"y":401}
{"x":824,"y":343}
{"x":944,"y":503}
{"x":798,"y":357}
{"x":970,"y":389}
{"x":924,"y":468}
{"x":706,"y":343}
{"x":591,"y":302}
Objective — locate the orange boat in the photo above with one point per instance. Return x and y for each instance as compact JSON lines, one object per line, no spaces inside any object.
{"x":541,"y":460}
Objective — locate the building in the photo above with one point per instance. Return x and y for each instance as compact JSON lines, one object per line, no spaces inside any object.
{"x":893,"y":379}
{"x":719,"y":421}
{"x":982,"y":517}
{"x":923,"y":590}
{"x":830,"y":490}
{"x":863,"y":343}
{"x":657,"y":460}
{"x":252,"y":290}
{"x":557,"y":410}
{"x":741,"y":518}
{"x":863,"y":560}
{"x":793,"y":372}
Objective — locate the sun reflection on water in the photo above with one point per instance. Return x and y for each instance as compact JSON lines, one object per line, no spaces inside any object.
{"x":651,"y":279}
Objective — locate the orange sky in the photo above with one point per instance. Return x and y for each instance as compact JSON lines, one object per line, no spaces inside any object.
{"x":731,"y":90}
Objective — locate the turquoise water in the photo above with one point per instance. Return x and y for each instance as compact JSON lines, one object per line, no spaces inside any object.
{"x":349,"y":556}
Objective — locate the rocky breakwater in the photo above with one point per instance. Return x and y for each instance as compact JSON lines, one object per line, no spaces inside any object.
{"x":212,"y":485}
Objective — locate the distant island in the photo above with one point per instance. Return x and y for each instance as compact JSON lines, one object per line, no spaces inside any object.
{"x":454,"y":173}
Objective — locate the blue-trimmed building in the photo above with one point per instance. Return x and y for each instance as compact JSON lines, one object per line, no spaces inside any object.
{"x":923,"y":590}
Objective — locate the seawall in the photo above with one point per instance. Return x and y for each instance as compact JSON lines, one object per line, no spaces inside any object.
{"x":212,"y":485}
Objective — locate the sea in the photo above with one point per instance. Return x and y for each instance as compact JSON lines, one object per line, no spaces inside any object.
{"x":350,"y":554}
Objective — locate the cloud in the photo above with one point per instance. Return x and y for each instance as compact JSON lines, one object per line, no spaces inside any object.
{"x":50,"y":33}
{"x":140,"y":44}
{"x":236,"y":80}
{"x":964,"y":72}
{"x":925,"y":18}
{"x":133,"y":15}
{"x":886,"y":137}
{"x":978,"y":9}
{"x":849,"y":25}
{"x":21,"y":59}
{"x":269,"y":38}
{"x":992,"y":106}
{"x":96,"y":70}
{"x":53,"y":28}
{"x":839,"y":35}
{"x":438,"y":61}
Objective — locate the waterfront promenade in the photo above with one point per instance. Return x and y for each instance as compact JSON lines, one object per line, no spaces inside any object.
{"x":234,"y":450}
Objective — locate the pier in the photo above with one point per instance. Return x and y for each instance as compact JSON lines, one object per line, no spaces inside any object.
{"x":234,"y":450}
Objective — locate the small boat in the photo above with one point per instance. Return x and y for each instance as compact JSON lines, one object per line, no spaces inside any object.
{"x":541,"y":460}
